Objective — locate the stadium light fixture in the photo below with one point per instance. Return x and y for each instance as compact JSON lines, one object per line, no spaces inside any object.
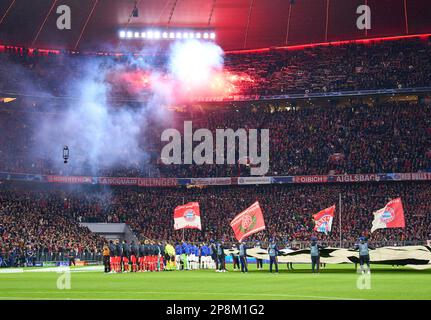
{"x":157,"y":34}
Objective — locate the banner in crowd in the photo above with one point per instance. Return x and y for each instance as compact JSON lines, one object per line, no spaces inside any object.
{"x":187,"y":216}
{"x":170,"y":182}
{"x":141,"y":182}
{"x":391,"y":216}
{"x":323,"y":220}
{"x":70,"y":179}
{"x":248,"y":222}
{"x":211,"y":181}
{"x":255,"y":180}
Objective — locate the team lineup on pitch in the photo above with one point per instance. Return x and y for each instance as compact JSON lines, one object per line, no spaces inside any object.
{"x":337,"y":282}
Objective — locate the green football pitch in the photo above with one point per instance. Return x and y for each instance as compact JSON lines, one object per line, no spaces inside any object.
{"x":336,"y":282}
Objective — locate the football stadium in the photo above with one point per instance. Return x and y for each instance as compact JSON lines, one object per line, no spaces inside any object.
{"x":215,"y":150}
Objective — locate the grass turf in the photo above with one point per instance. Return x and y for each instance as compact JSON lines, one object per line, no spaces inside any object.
{"x":334,"y":282}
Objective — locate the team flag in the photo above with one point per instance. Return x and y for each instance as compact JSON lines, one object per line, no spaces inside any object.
{"x":248,"y":222}
{"x":187,"y":216}
{"x":391,"y":216}
{"x":323,"y":220}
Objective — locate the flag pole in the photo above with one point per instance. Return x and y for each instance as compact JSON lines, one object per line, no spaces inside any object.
{"x":339,"y":210}
{"x":183,"y":228}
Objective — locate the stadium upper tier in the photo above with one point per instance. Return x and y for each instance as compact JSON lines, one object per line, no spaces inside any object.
{"x":376,"y":65}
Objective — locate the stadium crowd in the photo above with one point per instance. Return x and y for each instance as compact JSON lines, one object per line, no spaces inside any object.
{"x":357,"y":138}
{"x":374,"y":65}
{"x":48,"y":220}
{"x":33,"y":224}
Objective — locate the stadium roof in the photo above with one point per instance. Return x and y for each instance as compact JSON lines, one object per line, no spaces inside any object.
{"x":239,"y":24}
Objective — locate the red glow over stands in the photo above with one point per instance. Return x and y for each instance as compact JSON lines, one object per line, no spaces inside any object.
{"x":334,"y":43}
{"x":259,"y":50}
{"x":222,"y":83}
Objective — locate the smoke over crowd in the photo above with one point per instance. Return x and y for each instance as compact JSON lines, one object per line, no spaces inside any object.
{"x":101,"y":135}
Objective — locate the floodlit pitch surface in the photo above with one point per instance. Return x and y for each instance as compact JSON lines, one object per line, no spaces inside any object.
{"x":336,"y":282}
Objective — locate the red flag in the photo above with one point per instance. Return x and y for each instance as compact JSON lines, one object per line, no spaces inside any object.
{"x":323,"y":220}
{"x":391,"y":216}
{"x":248,"y":222}
{"x":187,"y":216}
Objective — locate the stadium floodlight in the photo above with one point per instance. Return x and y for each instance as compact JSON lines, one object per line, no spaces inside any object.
{"x":154,"y":34}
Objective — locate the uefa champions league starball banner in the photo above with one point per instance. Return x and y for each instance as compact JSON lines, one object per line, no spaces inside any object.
{"x":406,"y":255}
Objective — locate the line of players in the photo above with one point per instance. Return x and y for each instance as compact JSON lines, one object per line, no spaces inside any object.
{"x":152,"y":256}
{"x":155,"y":256}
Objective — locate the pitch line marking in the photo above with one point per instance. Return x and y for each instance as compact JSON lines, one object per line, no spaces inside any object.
{"x":181,"y":293}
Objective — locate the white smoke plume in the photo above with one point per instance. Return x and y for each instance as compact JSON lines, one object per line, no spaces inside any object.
{"x":101,"y":136}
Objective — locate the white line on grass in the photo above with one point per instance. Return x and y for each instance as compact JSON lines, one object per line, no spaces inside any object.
{"x":176,"y":293}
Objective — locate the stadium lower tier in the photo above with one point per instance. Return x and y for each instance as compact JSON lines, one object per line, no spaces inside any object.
{"x":47,"y":218}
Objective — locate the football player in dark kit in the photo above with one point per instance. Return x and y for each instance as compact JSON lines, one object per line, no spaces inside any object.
{"x":235,"y":259}
{"x":112,"y":248}
{"x":141,"y":259}
{"x":126,"y":256}
{"x":221,"y":257}
{"x":118,"y":256}
{"x":134,"y":256}
{"x":151,"y":253}
{"x":213,"y":248}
